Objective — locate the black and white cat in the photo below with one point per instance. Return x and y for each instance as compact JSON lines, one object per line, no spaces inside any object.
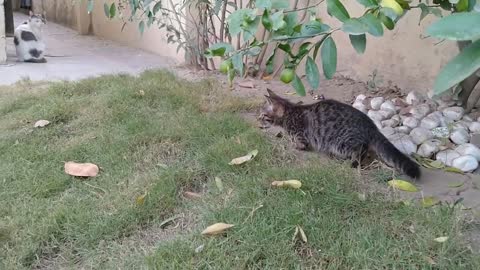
{"x":28,"y":39}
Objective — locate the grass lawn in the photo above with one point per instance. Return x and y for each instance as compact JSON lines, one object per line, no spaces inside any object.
{"x":162,"y":136}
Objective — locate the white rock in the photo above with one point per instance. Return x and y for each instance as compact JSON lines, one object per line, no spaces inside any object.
{"x":376,"y":103}
{"x":469,"y":149}
{"x":403,"y":143}
{"x":420,"y":111}
{"x":460,"y":136}
{"x":403,"y":129}
{"x":396,"y":117}
{"x":446,"y":121}
{"x":460,"y":125}
{"x":360,"y":98}
{"x":390,"y":123}
{"x":437,"y":115}
{"x":410,"y":122}
{"x":387,"y":113}
{"x":445,"y":104}
{"x":441,"y":132}
{"x":413,"y":98}
{"x":429,"y":147}
{"x":474,"y":127}
{"x":388,"y":105}
{"x":465,"y":163}
{"x":378,"y":124}
{"x":430,"y":122}
{"x":420,"y":134}
{"x":360,"y":106}
{"x":375,"y":115}
{"x":467,"y":118}
{"x":387,"y":131}
{"x":454,"y":113}
{"x":447,"y":156}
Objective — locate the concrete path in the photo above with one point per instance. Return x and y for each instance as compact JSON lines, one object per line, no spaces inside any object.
{"x":80,"y":57}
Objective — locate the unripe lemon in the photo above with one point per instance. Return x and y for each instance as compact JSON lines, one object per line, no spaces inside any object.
{"x":287,"y":75}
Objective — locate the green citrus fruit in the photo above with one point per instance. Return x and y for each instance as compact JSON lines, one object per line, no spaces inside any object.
{"x":287,"y":75}
{"x":225,"y":66}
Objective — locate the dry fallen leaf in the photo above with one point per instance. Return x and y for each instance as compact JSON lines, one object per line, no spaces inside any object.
{"x":246,"y":84}
{"x":441,"y":239}
{"x":430,"y":201}
{"x":217,"y":228}
{"x":41,"y":123}
{"x":219,"y":183}
{"x":192,"y":195}
{"x":453,"y":170}
{"x":288,"y":183}
{"x":402,"y":185}
{"x":430,"y":260}
{"x":140,"y":200}
{"x":302,"y":234}
{"x":247,"y":157}
{"x":455,"y":185}
{"x":81,"y":169}
{"x":437,"y":164}
{"x":199,"y":248}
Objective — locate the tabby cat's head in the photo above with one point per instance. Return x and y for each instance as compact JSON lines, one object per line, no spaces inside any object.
{"x":274,"y":109}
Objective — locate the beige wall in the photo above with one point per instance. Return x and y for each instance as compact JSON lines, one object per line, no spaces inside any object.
{"x":3,"y":44}
{"x":402,"y":57}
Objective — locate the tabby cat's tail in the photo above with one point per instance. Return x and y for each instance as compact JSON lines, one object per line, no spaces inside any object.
{"x":393,"y":157}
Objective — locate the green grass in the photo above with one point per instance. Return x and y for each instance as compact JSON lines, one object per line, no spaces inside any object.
{"x":177,"y":136}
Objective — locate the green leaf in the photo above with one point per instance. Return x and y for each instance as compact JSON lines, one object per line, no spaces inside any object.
{"x":90,"y":6}
{"x":106,"y":9}
{"x":141,"y":27}
{"x":298,"y":85}
{"x":286,"y":48}
{"x":424,"y":13}
{"x":266,"y":4}
{"x":329,"y":57}
{"x":303,"y":50}
{"x":317,"y":46}
{"x":368,"y":3}
{"x":280,"y":4}
{"x":235,"y":20}
{"x":269,"y":64}
{"x":459,"y":68}
{"x":314,"y":28}
{"x":251,"y":29}
{"x":359,"y":43}
{"x":335,"y":8}
{"x":462,"y":5}
{"x":313,"y":75}
{"x":219,"y":49}
{"x":157,"y":7}
{"x":277,"y":21}
{"x":237,"y":62}
{"x":402,"y":185}
{"x":150,"y":19}
{"x":354,"y":27}
{"x":374,"y":25}
{"x":113,"y":10}
{"x":457,"y":26}
{"x":266,"y":21}
{"x":389,"y":24}
{"x":147,"y":2}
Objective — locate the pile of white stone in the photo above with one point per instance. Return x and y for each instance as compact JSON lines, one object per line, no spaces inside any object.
{"x":437,"y":129}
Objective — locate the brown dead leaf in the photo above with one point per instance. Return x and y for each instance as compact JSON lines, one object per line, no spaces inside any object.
{"x":246,"y":84}
{"x":192,"y":195}
{"x":81,"y":169}
{"x":217,"y":228}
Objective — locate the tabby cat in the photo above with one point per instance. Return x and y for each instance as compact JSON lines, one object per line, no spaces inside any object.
{"x":335,"y":128}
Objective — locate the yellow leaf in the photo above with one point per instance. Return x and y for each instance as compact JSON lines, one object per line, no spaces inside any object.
{"x":141,"y":199}
{"x":81,"y":169}
{"x":402,"y":185}
{"x":288,"y":183}
{"x":455,"y":185}
{"x":393,"y":5}
{"x":441,"y":239}
{"x":217,"y":228}
{"x":437,"y":164}
{"x":219,"y":183}
{"x":453,"y":170}
{"x":247,"y":157}
{"x":302,"y":234}
{"x":429,"y":201}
